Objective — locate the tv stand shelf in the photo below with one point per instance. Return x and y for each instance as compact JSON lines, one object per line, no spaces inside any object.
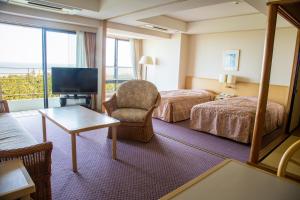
{"x":64,"y":100}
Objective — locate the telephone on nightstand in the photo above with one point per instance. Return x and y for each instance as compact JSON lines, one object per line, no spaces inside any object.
{"x":223,"y":95}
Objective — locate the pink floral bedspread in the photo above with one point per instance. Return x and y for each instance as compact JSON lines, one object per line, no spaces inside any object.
{"x":176,"y":105}
{"x":234,"y":118}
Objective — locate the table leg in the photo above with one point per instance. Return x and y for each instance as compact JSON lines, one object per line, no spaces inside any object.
{"x":114,"y":142}
{"x":74,"y":156}
{"x":44,"y":128}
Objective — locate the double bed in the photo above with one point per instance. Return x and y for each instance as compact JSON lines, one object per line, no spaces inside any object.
{"x":234,"y":118}
{"x":176,"y":105}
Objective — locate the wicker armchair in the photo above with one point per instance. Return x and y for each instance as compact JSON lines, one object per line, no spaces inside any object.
{"x":3,"y":106}
{"x":36,"y":159}
{"x":133,"y":105}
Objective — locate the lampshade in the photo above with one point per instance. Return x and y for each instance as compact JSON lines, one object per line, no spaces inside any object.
{"x":231,"y":79}
{"x":222,"y":78}
{"x":146,"y":60}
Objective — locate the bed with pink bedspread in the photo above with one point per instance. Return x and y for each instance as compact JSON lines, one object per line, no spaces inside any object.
{"x":176,"y":105}
{"x":234,"y":118}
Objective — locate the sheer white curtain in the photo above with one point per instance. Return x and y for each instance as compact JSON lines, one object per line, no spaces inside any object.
{"x":80,"y":50}
{"x":136,"y":54}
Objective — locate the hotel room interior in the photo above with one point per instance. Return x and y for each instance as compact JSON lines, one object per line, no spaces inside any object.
{"x":157,"y":99}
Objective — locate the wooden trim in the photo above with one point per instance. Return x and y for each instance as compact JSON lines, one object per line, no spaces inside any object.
{"x":282,"y":2}
{"x":294,"y":76}
{"x":288,"y":16}
{"x":276,"y":142}
{"x":264,"y":84}
{"x":274,"y":171}
{"x":103,"y":64}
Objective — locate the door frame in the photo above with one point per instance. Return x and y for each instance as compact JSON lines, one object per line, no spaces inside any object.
{"x":293,"y":85}
{"x":44,"y":60}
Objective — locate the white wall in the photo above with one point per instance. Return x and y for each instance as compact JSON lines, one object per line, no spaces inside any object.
{"x":165,"y":74}
{"x":206,"y":51}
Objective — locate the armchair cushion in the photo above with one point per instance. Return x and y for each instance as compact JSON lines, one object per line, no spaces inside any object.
{"x":130,"y":114}
{"x":136,"y":94}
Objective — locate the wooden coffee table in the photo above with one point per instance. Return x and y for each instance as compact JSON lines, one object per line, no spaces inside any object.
{"x":76,"y":119}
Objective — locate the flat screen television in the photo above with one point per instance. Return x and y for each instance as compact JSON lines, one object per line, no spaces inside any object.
{"x":74,"y":80}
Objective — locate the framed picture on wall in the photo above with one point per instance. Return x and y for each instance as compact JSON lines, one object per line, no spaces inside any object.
{"x":231,"y":60}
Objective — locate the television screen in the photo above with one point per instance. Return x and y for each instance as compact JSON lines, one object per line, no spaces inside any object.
{"x":74,"y":80}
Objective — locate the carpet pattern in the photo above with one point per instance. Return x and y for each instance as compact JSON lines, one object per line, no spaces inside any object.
{"x":142,"y":171}
{"x":221,"y":147}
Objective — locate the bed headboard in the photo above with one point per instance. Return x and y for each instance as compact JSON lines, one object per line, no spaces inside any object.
{"x":277,"y":93}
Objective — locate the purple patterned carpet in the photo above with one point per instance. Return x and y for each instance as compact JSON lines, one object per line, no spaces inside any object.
{"x":221,"y":147}
{"x":142,"y":171}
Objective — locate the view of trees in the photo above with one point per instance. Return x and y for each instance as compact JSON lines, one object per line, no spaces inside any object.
{"x":28,"y":86}
{"x":25,"y":86}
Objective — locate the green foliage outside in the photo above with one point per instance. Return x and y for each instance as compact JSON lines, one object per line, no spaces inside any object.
{"x":28,"y":86}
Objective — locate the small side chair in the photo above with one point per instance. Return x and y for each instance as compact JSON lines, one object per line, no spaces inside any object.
{"x":133,"y":105}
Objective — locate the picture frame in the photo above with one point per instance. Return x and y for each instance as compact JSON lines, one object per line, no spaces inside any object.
{"x":231,"y":60}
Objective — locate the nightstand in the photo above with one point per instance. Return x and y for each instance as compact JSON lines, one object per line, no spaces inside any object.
{"x":15,"y":182}
{"x":222,"y":96}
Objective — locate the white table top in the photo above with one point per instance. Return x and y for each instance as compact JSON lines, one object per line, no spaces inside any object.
{"x":232,"y":180}
{"x":15,"y":181}
{"x":78,"y":119}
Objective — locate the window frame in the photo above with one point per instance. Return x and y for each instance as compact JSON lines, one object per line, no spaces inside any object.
{"x":44,"y":64}
{"x":116,"y":66}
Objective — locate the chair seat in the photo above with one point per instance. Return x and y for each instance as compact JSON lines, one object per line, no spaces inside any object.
{"x":130,"y":114}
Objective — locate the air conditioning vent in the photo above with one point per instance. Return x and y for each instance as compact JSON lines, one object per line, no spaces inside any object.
{"x":158,"y":28}
{"x":46,"y":5}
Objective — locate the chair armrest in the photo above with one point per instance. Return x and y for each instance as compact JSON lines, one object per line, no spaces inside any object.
{"x":4,"y":106}
{"x":111,"y":104}
{"x":150,"y":111}
{"x":27,"y":154}
{"x":37,"y":161}
{"x":158,"y":99}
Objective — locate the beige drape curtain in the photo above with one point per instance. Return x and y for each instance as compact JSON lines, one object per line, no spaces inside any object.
{"x":90,"y":50}
{"x":90,"y":47}
{"x":136,"y":54}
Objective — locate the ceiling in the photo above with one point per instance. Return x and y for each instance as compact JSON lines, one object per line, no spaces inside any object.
{"x":173,"y":15}
{"x":227,"y":9}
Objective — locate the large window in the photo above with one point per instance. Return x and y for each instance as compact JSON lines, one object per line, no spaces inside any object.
{"x":23,"y":55}
{"x":119,"y":67}
{"x":61,"y":52}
